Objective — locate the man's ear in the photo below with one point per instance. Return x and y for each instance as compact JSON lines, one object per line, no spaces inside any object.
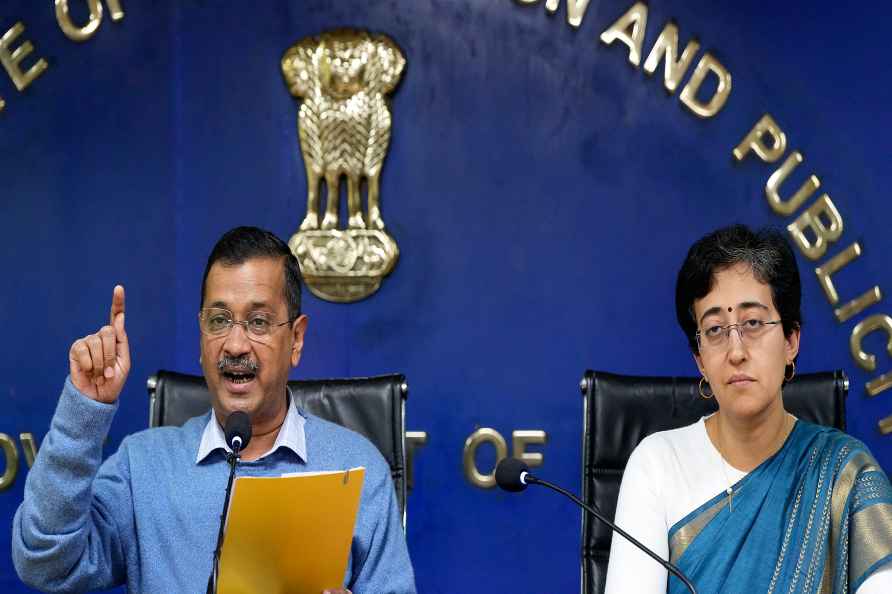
{"x":298,"y":330}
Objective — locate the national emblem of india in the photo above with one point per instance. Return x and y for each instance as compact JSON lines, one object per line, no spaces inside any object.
{"x":342,"y":79}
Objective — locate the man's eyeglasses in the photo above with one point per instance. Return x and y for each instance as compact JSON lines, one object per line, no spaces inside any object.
{"x":750,"y":331}
{"x":216,"y":321}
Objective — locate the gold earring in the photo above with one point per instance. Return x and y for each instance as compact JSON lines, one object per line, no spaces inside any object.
{"x":792,"y":373}
{"x":703,"y":395}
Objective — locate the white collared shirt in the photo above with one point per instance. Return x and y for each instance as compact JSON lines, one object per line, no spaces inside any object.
{"x":291,"y":435}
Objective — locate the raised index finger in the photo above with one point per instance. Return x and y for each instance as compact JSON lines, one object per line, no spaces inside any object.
{"x":117,"y":305}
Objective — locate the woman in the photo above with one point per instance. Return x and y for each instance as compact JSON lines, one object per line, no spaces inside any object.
{"x":750,"y":499}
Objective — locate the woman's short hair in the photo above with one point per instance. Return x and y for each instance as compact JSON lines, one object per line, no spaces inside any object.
{"x":766,"y":251}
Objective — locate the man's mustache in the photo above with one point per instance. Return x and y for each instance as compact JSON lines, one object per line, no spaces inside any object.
{"x":238,"y":364}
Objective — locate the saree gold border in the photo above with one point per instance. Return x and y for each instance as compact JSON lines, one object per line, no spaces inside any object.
{"x":827,"y":575}
{"x":841,"y":491}
{"x":872,"y":533}
{"x":686,"y":535}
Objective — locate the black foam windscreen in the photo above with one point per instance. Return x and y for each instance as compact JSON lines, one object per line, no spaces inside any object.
{"x":238,"y":426}
{"x":509,"y":474}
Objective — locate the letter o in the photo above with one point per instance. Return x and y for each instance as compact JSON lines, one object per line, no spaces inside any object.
{"x":11,"y":456}
{"x":475,"y":440}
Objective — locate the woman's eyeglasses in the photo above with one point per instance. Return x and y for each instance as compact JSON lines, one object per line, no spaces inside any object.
{"x":749,"y":331}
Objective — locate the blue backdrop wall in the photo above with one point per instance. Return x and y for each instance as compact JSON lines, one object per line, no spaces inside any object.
{"x":542,"y":190}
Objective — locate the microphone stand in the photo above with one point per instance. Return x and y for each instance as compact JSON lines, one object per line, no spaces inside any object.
{"x":526,"y":477}
{"x":232,"y":459}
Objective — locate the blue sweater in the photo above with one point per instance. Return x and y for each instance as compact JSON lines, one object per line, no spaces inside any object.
{"x":148,"y":516}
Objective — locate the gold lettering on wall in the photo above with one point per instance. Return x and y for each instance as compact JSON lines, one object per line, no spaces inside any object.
{"x":2,"y":103}
{"x":755,"y":140}
{"x":12,"y":60}
{"x":415,"y":440}
{"x":834,"y":265}
{"x":575,"y":9}
{"x":29,"y":446}
{"x":874,"y":323}
{"x":114,"y":6}
{"x":877,"y":385}
{"x":11,"y":456}
{"x":520,"y":439}
{"x":772,"y":188}
{"x":629,"y":29}
{"x":85,"y":32}
{"x":851,"y":309}
{"x":707,"y":65}
{"x":666,"y":49}
{"x":71,"y":30}
{"x":474,"y":441}
{"x":825,"y":223}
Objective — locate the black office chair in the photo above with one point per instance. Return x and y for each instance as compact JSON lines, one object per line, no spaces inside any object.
{"x":372,"y":406}
{"x":620,"y":411}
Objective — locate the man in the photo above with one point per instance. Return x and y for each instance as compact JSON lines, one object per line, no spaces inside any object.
{"x":148,"y":516}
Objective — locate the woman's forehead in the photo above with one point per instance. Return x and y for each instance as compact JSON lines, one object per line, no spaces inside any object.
{"x":733,"y":288}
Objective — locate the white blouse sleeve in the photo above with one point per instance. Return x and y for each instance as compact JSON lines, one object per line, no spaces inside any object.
{"x":640,"y":512}
{"x":880,"y":582}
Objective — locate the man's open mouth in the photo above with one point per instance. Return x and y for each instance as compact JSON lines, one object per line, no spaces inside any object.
{"x":239,"y":377}
{"x":237,"y":370}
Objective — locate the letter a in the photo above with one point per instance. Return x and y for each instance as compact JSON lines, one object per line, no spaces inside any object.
{"x":636,"y":19}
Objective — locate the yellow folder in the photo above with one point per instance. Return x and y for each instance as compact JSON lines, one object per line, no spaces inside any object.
{"x":289,"y":534}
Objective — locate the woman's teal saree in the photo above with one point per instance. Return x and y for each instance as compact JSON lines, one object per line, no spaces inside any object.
{"x":815,"y":517}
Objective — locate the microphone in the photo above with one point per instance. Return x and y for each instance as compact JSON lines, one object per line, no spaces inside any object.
{"x":511,"y":475}
{"x":514,"y":475}
{"x":238,"y":433}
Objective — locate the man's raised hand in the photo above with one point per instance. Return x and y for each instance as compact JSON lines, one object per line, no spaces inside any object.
{"x":99,"y":363}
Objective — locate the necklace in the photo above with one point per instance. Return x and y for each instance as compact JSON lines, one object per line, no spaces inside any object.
{"x":730,"y":489}
{"x":788,"y":427}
